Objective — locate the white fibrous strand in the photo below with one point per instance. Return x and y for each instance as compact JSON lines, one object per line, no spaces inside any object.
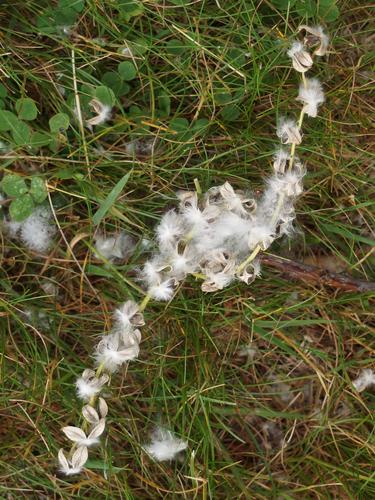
{"x":365,"y":379}
{"x":118,"y":246}
{"x":36,"y":231}
{"x":301,"y":59}
{"x":315,"y":36}
{"x":164,"y":445}
{"x":311,"y":95}
{"x":103,"y":113}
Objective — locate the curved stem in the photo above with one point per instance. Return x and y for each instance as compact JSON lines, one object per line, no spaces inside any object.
{"x":258,"y":248}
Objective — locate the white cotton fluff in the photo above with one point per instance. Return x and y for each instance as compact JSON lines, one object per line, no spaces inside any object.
{"x":216,"y":232}
{"x":89,"y":385}
{"x":249,"y":351}
{"x":37,"y":230}
{"x":151,"y":271}
{"x":162,"y":291}
{"x":195,"y":218}
{"x":12,"y":228}
{"x":217,"y":281}
{"x":111,"y":353}
{"x":233,"y":201}
{"x":288,"y":131}
{"x":301,"y":59}
{"x":103,"y":113}
{"x":228,"y":230}
{"x":116,"y":246}
{"x":85,"y":390}
{"x":169,"y":229}
{"x":280,"y":160}
{"x":318,"y":32}
{"x":127,"y":315}
{"x":365,"y":379}
{"x":164,"y":445}
{"x":290,"y":184}
{"x":182,"y":263}
{"x":311,"y":95}
{"x":262,"y":235}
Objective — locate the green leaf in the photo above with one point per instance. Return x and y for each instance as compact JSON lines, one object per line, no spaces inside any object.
{"x":200,"y":125}
{"x":236,"y":57}
{"x":39,"y":139}
{"x":283,"y":4}
{"x":26,"y":109}
{"x":59,"y":122}
{"x":129,"y":8}
{"x":164,"y":104}
{"x":306,"y":8}
{"x":21,"y":133}
{"x":127,"y":71}
{"x":45,"y":22}
{"x":77,"y":5}
{"x":328,"y":10}
{"x":105,"y":95}
{"x":222,"y":96}
{"x":38,"y":189}
{"x":175,"y":47}
{"x":138,"y":46}
{"x":112,"y":80}
{"x":65,"y":17}
{"x":67,"y":173}
{"x":3,"y":91}
{"x":99,"y":464}
{"x":179,"y":125}
{"x":110,"y":200}
{"x":21,"y":208}
{"x":180,"y":2}
{"x":8,"y":120}
{"x":230,"y":113}
{"x":14,"y":185}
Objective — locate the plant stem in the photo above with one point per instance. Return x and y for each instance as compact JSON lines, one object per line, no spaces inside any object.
{"x":258,"y":248}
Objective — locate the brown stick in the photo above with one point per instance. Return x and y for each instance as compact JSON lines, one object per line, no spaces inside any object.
{"x":316,"y":275}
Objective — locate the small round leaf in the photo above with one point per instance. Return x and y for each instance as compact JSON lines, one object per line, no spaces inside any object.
{"x":39,"y":139}
{"x":26,"y":109}
{"x":59,"y":123}
{"x":105,"y":95}
{"x":21,"y":208}
{"x":38,"y":189}
{"x":127,"y":71}
{"x":230,"y":113}
{"x":8,"y":120}
{"x":21,"y":133}
{"x":14,"y":185}
{"x":3,"y":90}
